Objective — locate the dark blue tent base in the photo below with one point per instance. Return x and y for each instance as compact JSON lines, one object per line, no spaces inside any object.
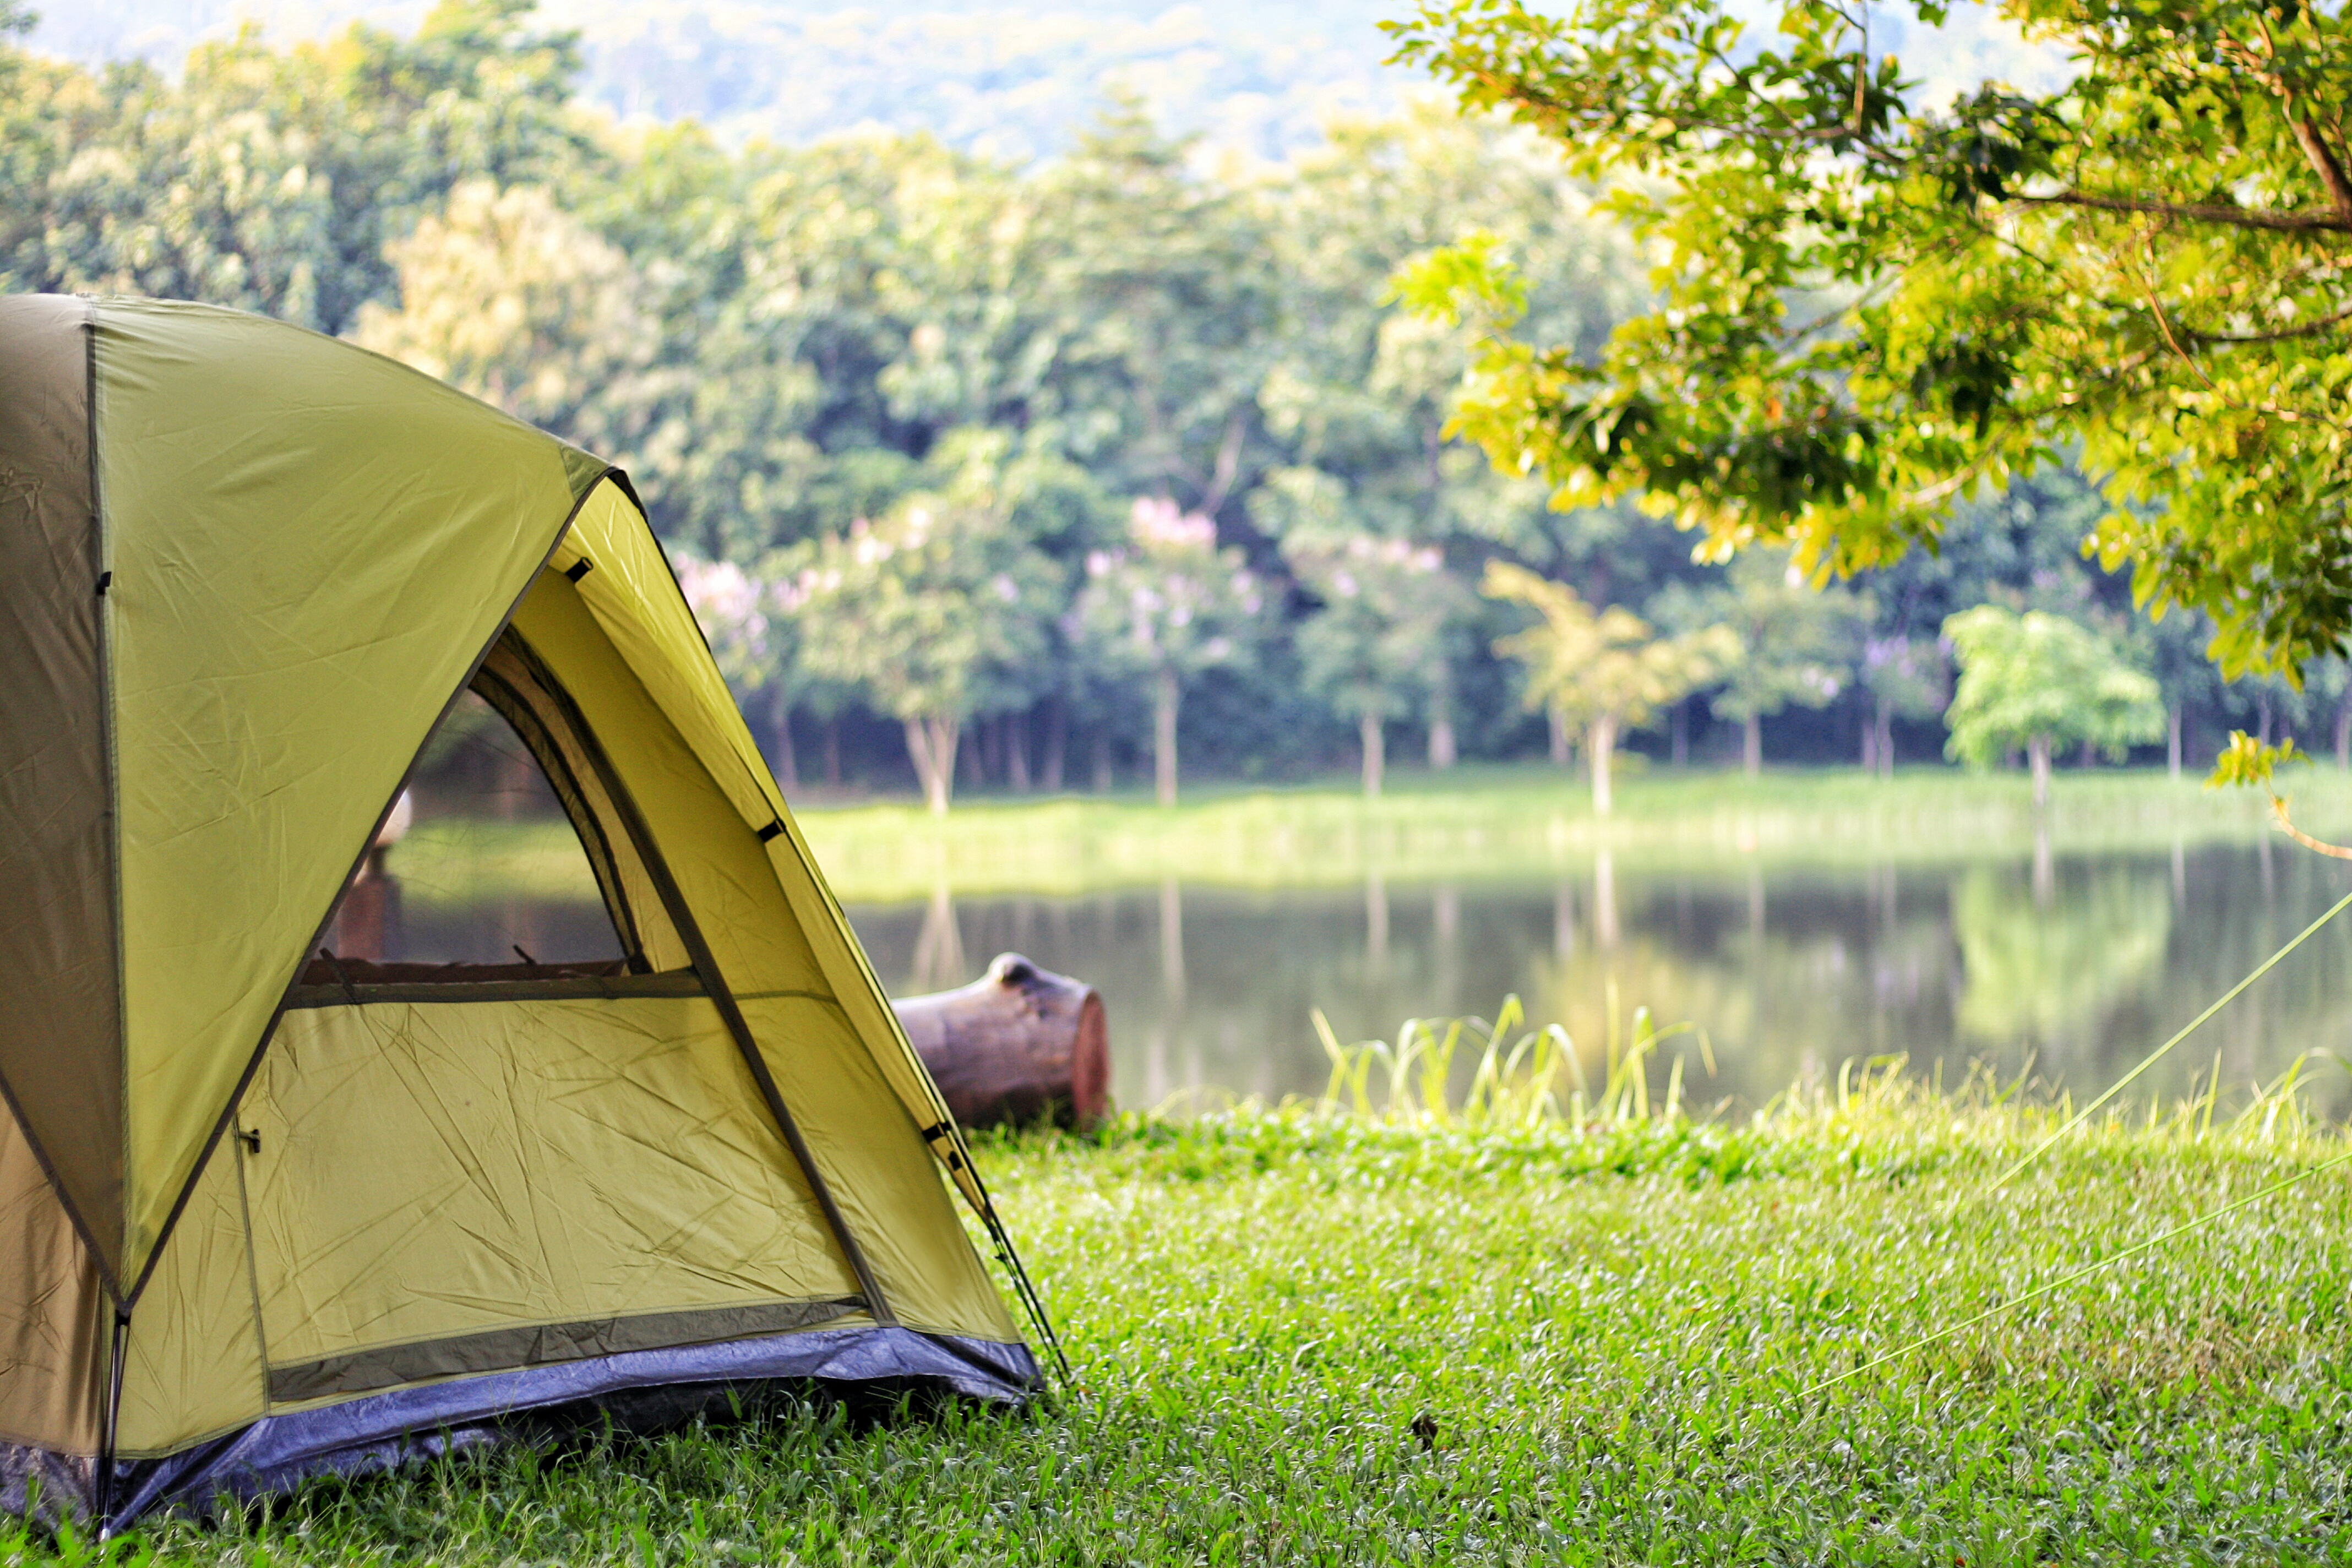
{"x":636,"y":1391}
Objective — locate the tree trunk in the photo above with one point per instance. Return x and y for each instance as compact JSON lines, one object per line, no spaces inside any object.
{"x":1102,"y":762}
{"x":780,"y":714}
{"x":1374,"y":735}
{"x":1058,"y":743}
{"x":833,"y":752}
{"x":2263,"y":712}
{"x":1018,"y":1044}
{"x":1682,"y":735}
{"x":2037,"y":752}
{"x":1602,"y":743}
{"x":931,"y":745}
{"x":1869,"y":744}
{"x":1886,"y":740}
{"x":967,"y":752}
{"x":988,"y":736}
{"x":1442,"y":754}
{"x":1165,"y":695}
{"x":1016,"y":751}
{"x":1751,"y":745}
{"x":2172,"y":742}
{"x":2090,"y":757}
{"x":1559,"y":723}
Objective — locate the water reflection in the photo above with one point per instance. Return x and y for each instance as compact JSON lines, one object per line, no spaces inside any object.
{"x":2077,"y":964}
{"x":477,"y":862}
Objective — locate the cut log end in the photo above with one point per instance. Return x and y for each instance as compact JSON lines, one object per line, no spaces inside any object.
{"x":1017,"y":1045}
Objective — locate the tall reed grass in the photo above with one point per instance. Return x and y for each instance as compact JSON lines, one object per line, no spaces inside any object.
{"x":1526,"y":1078}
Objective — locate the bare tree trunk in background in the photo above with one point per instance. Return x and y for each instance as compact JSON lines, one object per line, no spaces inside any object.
{"x":989,"y":736}
{"x":1442,"y":754}
{"x":2090,"y":757}
{"x":1374,"y":736}
{"x":975,"y":774}
{"x":780,"y":715}
{"x":1016,"y":751}
{"x":1886,"y":740}
{"x":1165,"y":695}
{"x":1602,"y":742}
{"x":1869,"y":745}
{"x":2172,"y":742}
{"x":833,"y":752}
{"x":1057,"y":743}
{"x":1681,"y":731}
{"x":932,"y":744}
{"x":2263,"y":712}
{"x":2343,"y":730}
{"x":2037,"y":752}
{"x":1751,"y":746}
{"x":1559,"y":723}
{"x":1102,"y":762}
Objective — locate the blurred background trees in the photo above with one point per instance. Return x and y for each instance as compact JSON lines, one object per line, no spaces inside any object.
{"x":1158,"y":610}
{"x":2038,"y":681}
{"x":979,"y":466}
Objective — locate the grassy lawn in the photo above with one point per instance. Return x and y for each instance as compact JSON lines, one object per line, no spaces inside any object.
{"x":1523,"y":821}
{"x":1480,"y":822}
{"x":1606,"y":1338}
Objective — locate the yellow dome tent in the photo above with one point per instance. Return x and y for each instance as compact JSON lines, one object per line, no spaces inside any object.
{"x":266,"y":1211}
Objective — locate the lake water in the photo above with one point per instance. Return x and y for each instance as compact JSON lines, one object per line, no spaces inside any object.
{"x":1790,"y":960}
{"x":2077,"y":967}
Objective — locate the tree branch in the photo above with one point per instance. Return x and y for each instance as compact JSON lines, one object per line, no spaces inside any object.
{"x":1229,"y":462}
{"x":2309,"y":220}
{"x":2336,"y":851}
{"x":2325,"y":164}
{"x":2283,"y":335}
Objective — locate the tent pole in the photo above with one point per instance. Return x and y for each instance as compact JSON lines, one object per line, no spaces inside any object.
{"x":105,"y":1498}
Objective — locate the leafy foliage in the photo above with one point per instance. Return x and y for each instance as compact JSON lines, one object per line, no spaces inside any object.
{"x":938,"y":608}
{"x":778,"y":342}
{"x":1161,"y":609}
{"x":1795,"y":641}
{"x":2039,"y":678}
{"x":1870,"y":304}
{"x":1605,"y":669}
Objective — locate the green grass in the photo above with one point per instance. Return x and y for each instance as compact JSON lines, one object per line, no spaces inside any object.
{"x":1498,"y":822}
{"x":1611,"y":1327}
{"x":1480,"y":823}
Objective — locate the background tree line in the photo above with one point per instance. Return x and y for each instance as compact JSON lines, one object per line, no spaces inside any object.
{"x":1035,"y":475}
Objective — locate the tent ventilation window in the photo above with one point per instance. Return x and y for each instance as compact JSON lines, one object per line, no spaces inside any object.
{"x":504,"y":866}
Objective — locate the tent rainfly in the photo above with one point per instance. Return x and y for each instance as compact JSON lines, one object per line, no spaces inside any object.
{"x":265,"y":1213}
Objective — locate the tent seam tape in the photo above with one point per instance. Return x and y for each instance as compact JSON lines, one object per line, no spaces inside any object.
{"x":689,"y":931}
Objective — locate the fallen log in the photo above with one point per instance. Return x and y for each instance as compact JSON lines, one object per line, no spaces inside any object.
{"x":1017,"y":1045}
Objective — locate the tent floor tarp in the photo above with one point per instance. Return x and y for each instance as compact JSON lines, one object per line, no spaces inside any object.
{"x":640,"y":1391}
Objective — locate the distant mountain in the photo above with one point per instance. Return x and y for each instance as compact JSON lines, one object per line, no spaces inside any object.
{"x":1257,"y":76}
{"x":1260,"y":78}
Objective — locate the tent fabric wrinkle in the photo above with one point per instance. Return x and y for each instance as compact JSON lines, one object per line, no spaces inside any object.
{"x":361,"y":1208}
{"x":60,"y":1021}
